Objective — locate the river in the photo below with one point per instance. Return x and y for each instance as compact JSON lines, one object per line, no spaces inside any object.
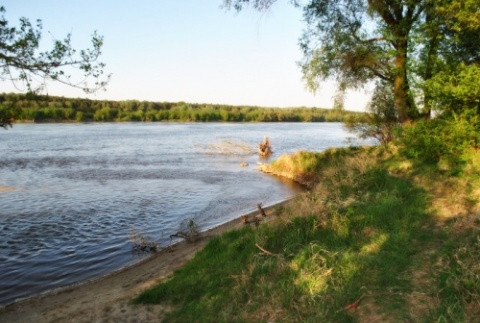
{"x":71,"y":193}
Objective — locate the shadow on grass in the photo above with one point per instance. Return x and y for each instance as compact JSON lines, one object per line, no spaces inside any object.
{"x":321,"y":262}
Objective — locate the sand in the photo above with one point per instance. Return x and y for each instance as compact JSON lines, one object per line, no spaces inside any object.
{"x":106,"y":299}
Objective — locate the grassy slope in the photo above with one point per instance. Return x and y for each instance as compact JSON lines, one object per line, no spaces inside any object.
{"x":401,"y":241}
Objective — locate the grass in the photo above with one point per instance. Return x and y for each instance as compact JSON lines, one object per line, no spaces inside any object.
{"x":369,"y":242}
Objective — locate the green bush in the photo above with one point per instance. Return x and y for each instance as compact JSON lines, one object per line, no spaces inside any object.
{"x":446,"y":137}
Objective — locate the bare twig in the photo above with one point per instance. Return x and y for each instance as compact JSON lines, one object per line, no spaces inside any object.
{"x":355,"y":304}
{"x":262,"y":212}
{"x":265,"y":251}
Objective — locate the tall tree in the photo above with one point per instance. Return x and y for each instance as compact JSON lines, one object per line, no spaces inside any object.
{"x":357,"y":42}
{"x":397,"y":42}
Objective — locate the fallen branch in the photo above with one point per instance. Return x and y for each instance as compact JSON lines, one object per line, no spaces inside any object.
{"x":265,"y":251}
{"x":140,"y":242}
{"x":250,"y":219}
{"x":262,"y":212}
{"x":355,"y":304}
{"x":188,"y":230}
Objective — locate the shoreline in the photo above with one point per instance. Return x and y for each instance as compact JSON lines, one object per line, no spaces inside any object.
{"x":107,"y":297}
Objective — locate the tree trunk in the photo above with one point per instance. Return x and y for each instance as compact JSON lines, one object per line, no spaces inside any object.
{"x":404,"y":104}
{"x":433,"y":33}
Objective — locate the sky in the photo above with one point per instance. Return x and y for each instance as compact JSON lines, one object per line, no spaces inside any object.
{"x":185,"y":50}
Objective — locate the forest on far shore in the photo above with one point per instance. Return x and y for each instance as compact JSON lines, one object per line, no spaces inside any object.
{"x":43,"y":108}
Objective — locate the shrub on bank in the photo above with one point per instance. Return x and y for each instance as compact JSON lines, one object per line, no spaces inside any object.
{"x":446,"y":138}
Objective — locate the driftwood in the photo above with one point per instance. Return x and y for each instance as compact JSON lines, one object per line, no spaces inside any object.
{"x":142,"y":243}
{"x":264,"y":149}
{"x":265,"y":251}
{"x":262,"y":212}
{"x":187,"y":236}
{"x":355,"y":304}
{"x":189,"y":231}
{"x":255,"y":219}
{"x":247,"y":219}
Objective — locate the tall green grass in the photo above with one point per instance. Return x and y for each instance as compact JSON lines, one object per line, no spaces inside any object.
{"x":367,"y":231}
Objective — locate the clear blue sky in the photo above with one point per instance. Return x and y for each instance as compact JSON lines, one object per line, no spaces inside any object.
{"x":185,"y":50}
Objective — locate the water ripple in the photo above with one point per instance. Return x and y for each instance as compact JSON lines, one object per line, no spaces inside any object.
{"x":80,"y":189}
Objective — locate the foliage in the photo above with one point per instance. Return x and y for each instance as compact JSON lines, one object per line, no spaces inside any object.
{"x":450,"y":57}
{"x":457,"y":89}
{"x":21,"y":62}
{"x":6,"y":116}
{"x":355,"y":42}
{"x":39,"y":108}
{"x":381,"y":119}
{"x":445,"y":137}
{"x":425,"y":52}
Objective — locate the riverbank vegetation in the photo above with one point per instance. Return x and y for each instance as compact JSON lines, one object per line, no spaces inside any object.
{"x":41,"y":108}
{"x":388,"y":233}
{"x":381,"y":236}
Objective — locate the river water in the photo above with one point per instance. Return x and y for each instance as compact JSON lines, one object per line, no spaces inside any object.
{"x":71,"y":193}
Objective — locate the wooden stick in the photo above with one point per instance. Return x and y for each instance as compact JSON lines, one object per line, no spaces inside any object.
{"x":355,"y":304}
{"x":265,"y":251}
{"x":262,"y":212}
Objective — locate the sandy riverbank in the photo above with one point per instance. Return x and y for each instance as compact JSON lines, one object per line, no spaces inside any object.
{"x":106,"y":299}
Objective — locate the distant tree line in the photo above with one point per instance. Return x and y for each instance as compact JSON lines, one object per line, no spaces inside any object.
{"x":41,"y":108}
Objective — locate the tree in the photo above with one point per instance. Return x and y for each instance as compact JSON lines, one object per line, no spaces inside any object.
{"x":381,"y":119}
{"x":356,"y":42}
{"x":22,"y":62}
{"x":402,"y":43}
{"x":6,"y":116}
{"x":453,"y":85}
